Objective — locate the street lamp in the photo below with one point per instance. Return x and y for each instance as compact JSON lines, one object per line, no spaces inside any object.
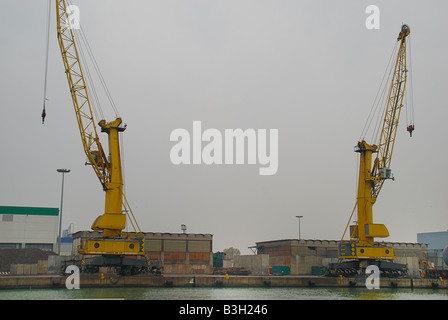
{"x":299,"y":217}
{"x":63,"y":171}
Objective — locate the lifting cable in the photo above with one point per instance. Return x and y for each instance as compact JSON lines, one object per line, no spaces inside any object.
{"x":379,"y":103}
{"x":100,"y":75}
{"x":86,"y":51}
{"x":96,"y":105}
{"x":410,"y":98}
{"x":44,"y":113}
{"x":86,"y":55}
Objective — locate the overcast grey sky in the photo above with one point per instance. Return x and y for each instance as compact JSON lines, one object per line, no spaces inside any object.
{"x":310,"y":69}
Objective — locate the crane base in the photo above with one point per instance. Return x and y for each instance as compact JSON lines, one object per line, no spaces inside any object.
{"x":357,"y":267}
{"x":118,"y":264}
{"x":121,"y":264}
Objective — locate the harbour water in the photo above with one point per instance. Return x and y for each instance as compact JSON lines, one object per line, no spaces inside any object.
{"x":181,"y":293}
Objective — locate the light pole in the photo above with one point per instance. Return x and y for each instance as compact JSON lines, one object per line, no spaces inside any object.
{"x":63,"y":171}
{"x":299,"y":217}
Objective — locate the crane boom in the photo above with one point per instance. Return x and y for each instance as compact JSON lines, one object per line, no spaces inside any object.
{"x":392,"y":114}
{"x":107,"y":167}
{"x":78,"y":90}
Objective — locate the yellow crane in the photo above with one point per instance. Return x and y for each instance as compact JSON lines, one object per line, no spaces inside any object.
{"x":114,"y":246}
{"x":361,"y":250}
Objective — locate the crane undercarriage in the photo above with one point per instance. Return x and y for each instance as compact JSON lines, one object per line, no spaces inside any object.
{"x":119,"y":264}
{"x":113,"y":264}
{"x":122,"y":255}
{"x":355,"y":268}
{"x":355,"y":258}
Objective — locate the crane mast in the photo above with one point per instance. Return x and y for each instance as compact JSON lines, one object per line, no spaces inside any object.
{"x":361,"y":246}
{"x":107,"y":167}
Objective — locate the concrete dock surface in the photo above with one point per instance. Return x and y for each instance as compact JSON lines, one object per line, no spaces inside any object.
{"x":195,"y":280}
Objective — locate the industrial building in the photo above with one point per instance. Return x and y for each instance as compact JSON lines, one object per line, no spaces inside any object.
{"x":434,"y":240}
{"x":187,"y":253}
{"x":304,"y":257}
{"x":176,"y":253}
{"x":437,"y":242}
{"x":66,"y":242}
{"x":29,"y":227}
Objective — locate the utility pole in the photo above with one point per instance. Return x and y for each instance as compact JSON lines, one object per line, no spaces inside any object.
{"x":63,"y":171}
{"x":299,"y":217}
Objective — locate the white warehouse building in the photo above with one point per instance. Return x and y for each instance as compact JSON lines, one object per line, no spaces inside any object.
{"x":29,"y":227}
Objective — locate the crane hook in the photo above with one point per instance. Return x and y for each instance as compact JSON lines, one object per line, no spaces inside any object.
{"x":410,"y":128}
{"x":44,"y":114}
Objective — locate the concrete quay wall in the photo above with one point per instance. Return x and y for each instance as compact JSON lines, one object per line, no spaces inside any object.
{"x":27,"y":282}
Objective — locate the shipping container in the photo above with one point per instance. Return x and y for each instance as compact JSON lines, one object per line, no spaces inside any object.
{"x":280,"y":270}
{"x":318,"y":271}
